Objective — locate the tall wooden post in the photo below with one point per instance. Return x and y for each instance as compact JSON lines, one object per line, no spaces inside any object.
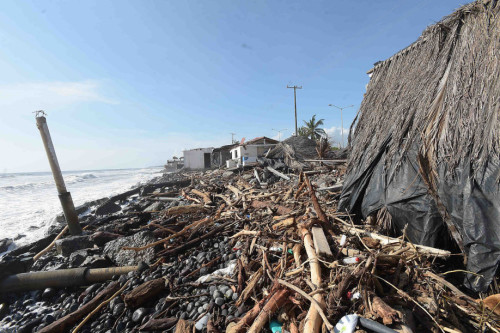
{"x":64,"y":196}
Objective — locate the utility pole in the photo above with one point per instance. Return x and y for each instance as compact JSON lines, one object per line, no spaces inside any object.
{"x":295,"y":102}
{"x":64,"y":196}
{"x":341,"y":120}
{"x":232,"y":137}
{"x":279,"y":132}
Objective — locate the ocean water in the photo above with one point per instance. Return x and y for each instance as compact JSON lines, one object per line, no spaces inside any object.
{"x":29,"y":201}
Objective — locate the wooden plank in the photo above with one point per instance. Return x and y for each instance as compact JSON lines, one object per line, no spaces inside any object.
{"x":328,"y":161}
{"x":334,"y":188}
{"x":320,"y":243}
{"x":256,"y":174}
{"x":277,"y":173}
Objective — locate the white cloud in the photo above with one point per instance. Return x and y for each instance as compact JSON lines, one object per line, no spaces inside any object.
{"x":335,"y":134}
{"x":49,"y":95}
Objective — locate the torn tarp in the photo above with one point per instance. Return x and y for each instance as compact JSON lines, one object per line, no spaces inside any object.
{"x":471,"y":205}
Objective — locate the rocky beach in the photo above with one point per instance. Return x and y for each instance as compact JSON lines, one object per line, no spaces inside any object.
{"x":254,"y":249}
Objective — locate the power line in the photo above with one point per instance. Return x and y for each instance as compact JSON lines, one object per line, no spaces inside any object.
{"x":279,"y":132}
{"x":295,"y":102}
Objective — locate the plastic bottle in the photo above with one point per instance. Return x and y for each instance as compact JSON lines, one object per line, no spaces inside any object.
{"x":275,"y":326}
{"x":347,"y":324}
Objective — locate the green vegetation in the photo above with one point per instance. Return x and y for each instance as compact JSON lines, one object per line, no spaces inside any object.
{"x":312,"y":129}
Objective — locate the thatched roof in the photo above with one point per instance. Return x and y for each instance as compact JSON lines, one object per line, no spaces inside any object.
{"x":425,"y":147}
{"x":442,"y":91}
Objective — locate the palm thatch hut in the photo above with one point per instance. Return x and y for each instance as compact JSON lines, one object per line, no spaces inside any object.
{"x":425,"y":144}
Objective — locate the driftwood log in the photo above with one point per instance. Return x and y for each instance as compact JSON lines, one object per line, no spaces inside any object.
{"x":205,"y":196}
{"x":281,"y":210}
{"x":245,"y":322}
{"x":140,"y":294}
{"x":184,"y":326}
{"x":279,"y":299}
{"x":312,"y":323}
{"x":159,"y":324}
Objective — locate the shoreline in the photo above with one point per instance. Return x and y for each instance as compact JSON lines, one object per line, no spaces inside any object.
{"x":206,"y":250}
{"x":35,"y":210}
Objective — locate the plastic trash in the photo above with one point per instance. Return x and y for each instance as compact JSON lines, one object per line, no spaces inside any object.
{"x":343,"y":239}
{"x":275,"y":326}
{"x":353,"y":296}
{"x":229,"y":270}
{"x":374,"y":326}
{"x":351,"y":260}
{"x":279,"y":249}
{"x":346,"y":324}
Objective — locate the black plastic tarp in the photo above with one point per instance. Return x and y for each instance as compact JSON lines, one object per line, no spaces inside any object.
{"x":471,"y":204}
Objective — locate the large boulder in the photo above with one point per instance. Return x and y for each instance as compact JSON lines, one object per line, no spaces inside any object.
{"x":68,"y":245}
{"x":108,"y":208}
{"x":157,"y":206}
{"x":4,"y":244}
{"x":129,"y":257}
{"x":102,"y":237}
{"x":14,"y":264}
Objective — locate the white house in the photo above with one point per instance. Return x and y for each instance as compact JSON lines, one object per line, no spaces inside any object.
{"x":247,"y":153}
{"x":198,"y":158}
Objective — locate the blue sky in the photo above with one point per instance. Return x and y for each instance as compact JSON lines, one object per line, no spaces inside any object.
{"x":131,"y":83}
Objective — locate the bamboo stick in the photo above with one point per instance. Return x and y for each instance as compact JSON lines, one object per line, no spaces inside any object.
{"x":313,"y":320}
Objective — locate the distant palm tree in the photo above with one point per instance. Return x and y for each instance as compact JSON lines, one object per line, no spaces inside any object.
{"x":302,"y":131}
{"x":312,"y":128}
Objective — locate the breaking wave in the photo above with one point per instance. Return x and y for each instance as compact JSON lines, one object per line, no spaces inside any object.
{"x":79,"y":178}
{"x":69,"y":179}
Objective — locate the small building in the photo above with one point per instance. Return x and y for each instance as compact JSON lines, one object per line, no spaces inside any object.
{"x":247,"y":153}
{"x":221,"y":155}
{"x":198,"y":158}
{"x":174,"y":164}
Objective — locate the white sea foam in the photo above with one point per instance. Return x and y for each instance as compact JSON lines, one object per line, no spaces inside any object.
{"x":29,"y":201}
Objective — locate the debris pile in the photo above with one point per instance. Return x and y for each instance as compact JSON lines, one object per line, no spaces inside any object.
{"x":293,"y":151}
{"x":220,"y":252}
